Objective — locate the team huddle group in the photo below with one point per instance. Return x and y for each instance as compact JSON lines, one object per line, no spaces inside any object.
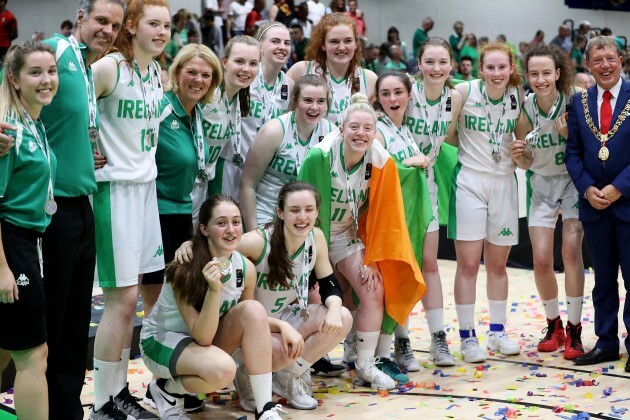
{"x":331,"y":171}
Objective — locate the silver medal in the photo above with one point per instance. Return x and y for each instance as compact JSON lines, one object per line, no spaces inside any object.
{"x":93,"y":134}
{"x":496,"y":156}
{"x":51,"y":207}
{"x":225,"y":265}
{"x":304,"y":314}
{"x":203,"y":175}
{"x":238,"y":159}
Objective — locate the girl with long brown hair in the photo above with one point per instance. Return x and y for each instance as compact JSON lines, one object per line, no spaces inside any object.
{"x":206,"y":312}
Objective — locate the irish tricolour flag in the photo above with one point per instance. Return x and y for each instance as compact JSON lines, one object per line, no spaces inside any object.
{"x":383,"y":228}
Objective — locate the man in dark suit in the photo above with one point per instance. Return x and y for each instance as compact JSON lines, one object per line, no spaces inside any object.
{"x":598,"y":161}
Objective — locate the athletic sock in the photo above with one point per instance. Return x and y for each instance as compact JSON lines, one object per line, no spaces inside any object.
{"x":574,"y":309}
{"x":384,"y":345}
{"x":261,"y":388}
{"x":465,"y":317}
{"x":497,"y":313}
{"x":551,"y":307}
{"x":435,"y":320}
{"x":105,"y":376}
{"x":299,"y":366}
{"x":366,"y":346}
{"x":121,"y":375}
{"x":402,"y":331}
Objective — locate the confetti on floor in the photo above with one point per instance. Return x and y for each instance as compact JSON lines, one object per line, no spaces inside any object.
{"x":532,"y":385}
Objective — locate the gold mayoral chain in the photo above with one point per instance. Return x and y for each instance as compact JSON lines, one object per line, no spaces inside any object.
{"x":603,"y":138}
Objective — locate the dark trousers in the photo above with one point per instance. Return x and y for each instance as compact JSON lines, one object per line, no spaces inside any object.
{"x":69,"y":258}
{"x":609,"y":243}
{"x":176,"y":229}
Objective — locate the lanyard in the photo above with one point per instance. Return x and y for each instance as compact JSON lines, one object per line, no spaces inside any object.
{"x":533,"y":135}
{"x":495,"y":138}
{"x":333,"y":100}
{"x":301,"y":287}
{"x":268,"y":99}
{"x":236,"y":144}
{"x":89,"y":83}
{"x":197,"y":132}
{"x":422,"y":103}
{"x":50,"y":207}
{"x":352,"y":204}
{"x":151,"y":113}
{"x":403,"y":134}
{"x":296,"y":143}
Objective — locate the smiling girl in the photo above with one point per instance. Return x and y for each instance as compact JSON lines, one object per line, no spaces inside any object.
{"x":369,"y":243}
{"x":222,"y":119}
{"x":334,"y":53}
{"x":206,"y":312}
{"x":280,"y":148}
{"x":484,"y":203}
{"x":417,"y":119}
{"x":27,"y":204}
{"x":551,"y":191}
{"x":269,"y":93}
{"x":128,"y":242}
{"x":286,"y":254}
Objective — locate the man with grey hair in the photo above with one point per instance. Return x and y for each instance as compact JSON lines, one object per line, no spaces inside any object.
{"x":69,"y":243}
{"x":599,"y":165}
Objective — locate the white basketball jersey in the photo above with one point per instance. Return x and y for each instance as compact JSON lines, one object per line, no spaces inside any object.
{"x":475,"y":148}
{"x":233,"y":283}
{"x":129,"y":124}
{"x":548,"y":146}
{"x":340,"y":214}
{"x":340,"y":93}
{"x":276,"y":300}
{"x":265,"y":102}
{"x":284,"y":165}
{"x":218,"y":127}
{"x":420,"y":128}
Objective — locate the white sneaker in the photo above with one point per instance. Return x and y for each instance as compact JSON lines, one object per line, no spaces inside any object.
{"x":370,"y":373}
{"x":350,"y":349}
{"x":404,"y":355}
{"x":295,"y":389}
{"x":168,"y":406}
{"x":271,"y":411}
{"x":242,"y":384}
{"x":439,"y":352}
{"x":498,"y":341}
{"x":471,"y":351}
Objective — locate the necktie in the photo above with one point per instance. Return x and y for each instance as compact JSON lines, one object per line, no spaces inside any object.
{"x":605,"y":113}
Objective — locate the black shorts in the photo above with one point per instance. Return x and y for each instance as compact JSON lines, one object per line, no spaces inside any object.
{"x":24,"y":321}
{"x":176,"y":229}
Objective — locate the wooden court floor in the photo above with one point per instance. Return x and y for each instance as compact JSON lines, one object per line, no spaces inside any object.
{"x":532,"y":385}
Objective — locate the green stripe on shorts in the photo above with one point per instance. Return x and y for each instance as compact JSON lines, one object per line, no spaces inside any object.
{"x":452,"y":212}
{"x":105,"y":264}
{"x":157,"y":351}
{"x":216,"y":185}
{"x":528,"y":194}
